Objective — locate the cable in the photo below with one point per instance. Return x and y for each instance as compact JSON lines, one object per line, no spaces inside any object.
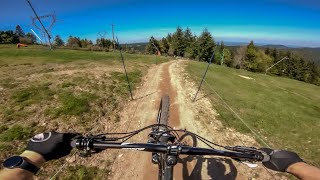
{"x":236,"y":114}
{"x":226,"y":105}
{"x":244,"y":124}
{"x":61,"y":167}
{"x":197,"y":136}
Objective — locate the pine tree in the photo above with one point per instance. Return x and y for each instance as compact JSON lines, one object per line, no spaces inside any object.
{"x":169,"y":38}
{"x":178,"y":42}
{"x":58,"y":41}
{"x":267,"y":51}
{"x":19,"y":32}
{"x":153,"y":46}
{"x":189,"y":38}
{"x":251,"y":57}
{"x":164,"y":45}
{"x":193,"y":51}
{"x":256,"y":60}
{"x":206,"y":45}
{"x":222,"y":46}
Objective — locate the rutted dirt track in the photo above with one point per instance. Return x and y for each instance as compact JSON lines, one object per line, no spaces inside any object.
{"x":199,"y":117}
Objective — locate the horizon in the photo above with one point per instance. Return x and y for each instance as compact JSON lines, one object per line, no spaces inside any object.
{"x":282,"y":22}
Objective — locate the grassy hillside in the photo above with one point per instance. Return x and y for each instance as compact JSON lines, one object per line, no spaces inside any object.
{"x":285,"y":112}
{"x":62,"y":90}
{"x":9,"y":55}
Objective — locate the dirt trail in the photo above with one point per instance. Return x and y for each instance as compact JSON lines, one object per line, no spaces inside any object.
{"x":199,"y":117}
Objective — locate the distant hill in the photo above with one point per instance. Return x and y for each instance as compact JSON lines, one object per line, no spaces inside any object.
{"x":277,"y":46}
{"x":310,"y":54}
{"x":235,"y":43}
{"x":137,"y":46}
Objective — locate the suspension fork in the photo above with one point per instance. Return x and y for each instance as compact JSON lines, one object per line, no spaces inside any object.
{"x":168,"y":161}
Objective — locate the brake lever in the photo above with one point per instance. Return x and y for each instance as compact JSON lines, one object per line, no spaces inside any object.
{"x":86,"y":142}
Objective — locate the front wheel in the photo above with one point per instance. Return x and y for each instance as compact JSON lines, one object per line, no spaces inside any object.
{"x":165,"y":171}
{"x":163,"y":114}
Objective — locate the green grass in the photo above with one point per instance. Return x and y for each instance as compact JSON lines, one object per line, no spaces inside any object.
{"x":5,"y":147}
{"x":120,"y":85}
{"x":3,"y":128}
{"x":8,"y":83}
{"x":16,"y":132}
{"x":39,"y":55}
{"x":11,"y":114}
{"x":81,"y":172}
{"x":285,"y":112}
{"x":33,"y":94}
{"x":72,"y":104}
{"x":67,"y":84}
{"x":52,"y":90}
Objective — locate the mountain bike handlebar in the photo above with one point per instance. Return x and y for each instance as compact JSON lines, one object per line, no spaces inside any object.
{"x":243,"y":154}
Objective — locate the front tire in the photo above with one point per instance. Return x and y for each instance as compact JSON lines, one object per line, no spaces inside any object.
{"x":165,"y":172}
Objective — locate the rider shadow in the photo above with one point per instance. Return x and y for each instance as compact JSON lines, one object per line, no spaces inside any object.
{"x":216,"y":168}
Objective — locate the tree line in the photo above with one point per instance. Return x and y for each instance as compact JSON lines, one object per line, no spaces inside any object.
{"x":77,"y":42}
{"x":17,"y":36}
{"x":186,"y":44}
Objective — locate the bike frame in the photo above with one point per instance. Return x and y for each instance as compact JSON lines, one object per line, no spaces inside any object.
{"x":165,"y":162}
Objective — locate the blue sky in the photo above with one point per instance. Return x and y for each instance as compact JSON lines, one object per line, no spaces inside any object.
{"x":288,"y":22}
